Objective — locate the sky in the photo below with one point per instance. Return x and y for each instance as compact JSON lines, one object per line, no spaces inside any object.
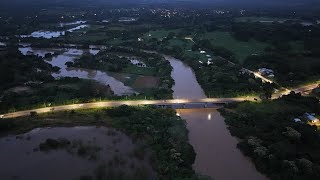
{"x":226,"y":2}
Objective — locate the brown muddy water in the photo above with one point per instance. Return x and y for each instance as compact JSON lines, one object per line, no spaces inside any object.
{"x":21,"y":159}
{"x":217,"y":154}
{"x":186,"y":84}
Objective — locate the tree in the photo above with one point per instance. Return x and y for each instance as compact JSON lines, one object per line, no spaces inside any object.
{"x":171,"y":35}
{"x":268,"y":90}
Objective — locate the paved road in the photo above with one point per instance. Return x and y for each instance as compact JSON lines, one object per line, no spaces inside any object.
{"x":304,"y":90}
{"x":119,"y":103}
{"x":151,"y":102}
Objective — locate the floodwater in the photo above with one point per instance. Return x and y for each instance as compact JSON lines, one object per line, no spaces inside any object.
{"x":186,"y":84}
{"x":21,"y":158}
{"x":53,"y":34}
{"x":72,"y":23}
{"x":217,"y":154}
{"x":69,"y":55}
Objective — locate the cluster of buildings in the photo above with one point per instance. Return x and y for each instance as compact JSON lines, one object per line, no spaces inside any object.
{"x":310,"y":118}
{"x":209,"y":61}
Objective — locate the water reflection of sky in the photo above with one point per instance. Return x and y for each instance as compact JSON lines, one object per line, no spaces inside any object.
{"x":69,"y":55}
{"x":53,"y":34}
{"x":23,"y":160}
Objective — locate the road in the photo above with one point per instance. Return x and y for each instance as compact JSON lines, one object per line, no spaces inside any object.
{"x":150,"y":102}
{"x":119,"y":103}
{"x":304,"y":90}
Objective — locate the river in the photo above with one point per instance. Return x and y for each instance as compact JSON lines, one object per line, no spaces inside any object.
{"x":217,"y":154}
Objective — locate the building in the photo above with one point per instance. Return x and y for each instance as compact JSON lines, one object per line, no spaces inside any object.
{"x":266,"y":72}
{"x":297,"y":120}
{"x":311,"y":118}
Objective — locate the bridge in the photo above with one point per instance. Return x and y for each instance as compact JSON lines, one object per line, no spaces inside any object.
{"x":172,"y":103}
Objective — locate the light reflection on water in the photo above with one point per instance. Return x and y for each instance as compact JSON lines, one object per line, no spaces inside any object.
{"x":217,"y":152}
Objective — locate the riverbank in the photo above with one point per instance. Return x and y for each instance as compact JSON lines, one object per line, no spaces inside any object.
{"x":276,"y":135}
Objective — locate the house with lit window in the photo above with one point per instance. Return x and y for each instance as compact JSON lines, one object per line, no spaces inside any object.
{"x":311,"y":118}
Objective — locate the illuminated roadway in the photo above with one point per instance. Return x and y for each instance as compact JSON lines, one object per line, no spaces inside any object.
{"x":304,"y":90}
{"x":103,"y":104}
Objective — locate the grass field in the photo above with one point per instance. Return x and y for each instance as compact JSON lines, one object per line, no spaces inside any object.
{"x":92,"y":33}
{"x":138,"y":82}
{"x":158,"y":34}
{"x":196,"y":54}
{"x":139,"y":70}
{"x":240,"y":49}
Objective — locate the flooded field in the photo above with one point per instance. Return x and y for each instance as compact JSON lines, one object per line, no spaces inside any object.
{"x":53,"y":34}
{"x":146,"y":82}
{"x":114,"y":153}
{"x":68,"y":55}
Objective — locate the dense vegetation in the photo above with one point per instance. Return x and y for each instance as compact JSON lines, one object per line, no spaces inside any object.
{"x":161,"y":131}
{"x":277,"y":40}
{"x":316,"y":91}
{"x":222,"y":79}
{"x":219,"y":78}
{"x":62,"y":91}
{"x":293,"y":51}
{"x":17,"y":70}
{"x":102,"y":61}
{"x":279,"y":147}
